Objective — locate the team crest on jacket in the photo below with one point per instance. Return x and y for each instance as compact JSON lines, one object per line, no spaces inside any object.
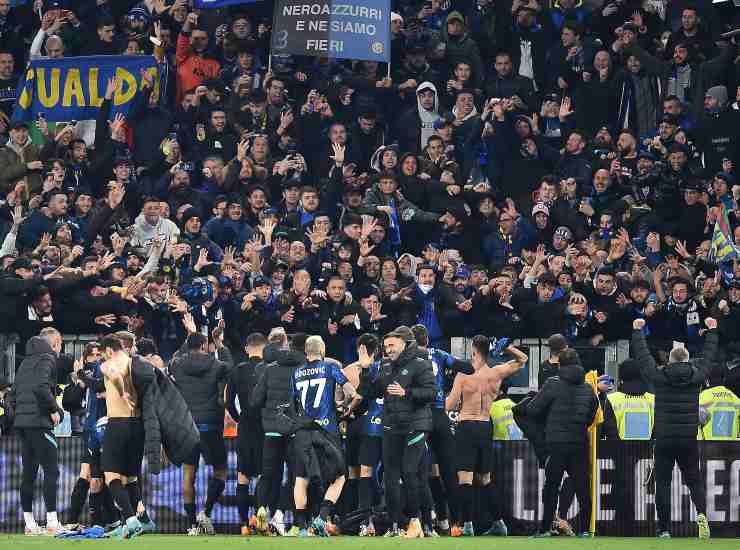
{"x":404,"y":372}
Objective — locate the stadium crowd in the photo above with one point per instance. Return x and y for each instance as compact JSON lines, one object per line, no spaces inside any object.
{"x":521,"y":170}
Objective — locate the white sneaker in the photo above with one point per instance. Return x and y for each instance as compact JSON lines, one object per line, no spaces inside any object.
{"x":278,"y":523}
{"x":53,"y":529}
{"x":205,"y":523}
{"x":194,"y":531}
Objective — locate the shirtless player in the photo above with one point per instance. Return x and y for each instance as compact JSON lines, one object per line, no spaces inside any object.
{"x":473,"y":394}
{"x":123,"y":445}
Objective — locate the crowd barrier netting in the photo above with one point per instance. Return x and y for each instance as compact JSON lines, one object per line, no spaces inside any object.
{"x":625,"y":499}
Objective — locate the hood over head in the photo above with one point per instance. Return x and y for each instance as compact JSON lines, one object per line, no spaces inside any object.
{"x":37,"y":346}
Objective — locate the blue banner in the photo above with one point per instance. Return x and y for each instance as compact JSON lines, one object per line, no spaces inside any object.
{"x":213,"y":4}
{"x":73,"y":88}
{"x":342,"y":29}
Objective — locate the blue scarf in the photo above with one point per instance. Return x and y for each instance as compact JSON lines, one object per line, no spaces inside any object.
{"x":394,"y":231}
{"x":427,"y":315}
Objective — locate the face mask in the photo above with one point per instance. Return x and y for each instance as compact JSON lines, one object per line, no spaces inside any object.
{"x":426,"y":289}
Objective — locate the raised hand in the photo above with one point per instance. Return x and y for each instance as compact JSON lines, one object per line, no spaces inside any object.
{"x":105,"y":320}
{"x":565,"y":109}
{"x":339,"y":151}
{"x":189,"y":323}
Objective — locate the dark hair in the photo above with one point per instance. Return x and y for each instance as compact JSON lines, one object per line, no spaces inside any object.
{"x":557,"y":343}
{"x":370,"y":341}
{"x":254,"y":340}
{"x":112,"y":343}
{"x":481,"y":344}
{"x":89,"y":348}
{"x":105,"y":22}
{"x":146,"y":346}
{"x":38,"y":292}
{"x":421,"y":334}
{"x":573,"y":25}
{"x":196,"y":341}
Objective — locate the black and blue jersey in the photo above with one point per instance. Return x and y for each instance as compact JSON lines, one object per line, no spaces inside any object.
{"x":96,"y":407}
{"x":441,"y":360}
{"x":372,"y":422}
{"x":313,"y":387}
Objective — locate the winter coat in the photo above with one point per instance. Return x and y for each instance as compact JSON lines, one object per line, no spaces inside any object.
{"x":199,"y":377}
{"x":568,"y":405}
{"x":32,"y":396}
{"x":677,"y":387}
{"x":411,"y":412}
{"x":274,"y":390}
{"x":13,"y":167}
{"x":167,"y":424}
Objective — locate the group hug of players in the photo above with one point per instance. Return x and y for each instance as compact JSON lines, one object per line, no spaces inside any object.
{"x":346,"y":438}
{"x":368,"y":448}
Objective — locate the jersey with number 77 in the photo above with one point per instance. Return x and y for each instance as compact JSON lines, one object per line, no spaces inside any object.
{"x":314,"y":385}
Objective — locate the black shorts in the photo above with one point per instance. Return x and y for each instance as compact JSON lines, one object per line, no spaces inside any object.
{"x":212,"y":447}
{"x":299,"y":457}
{"x":123,"y":446}
{"x":353,"y":442}
{"x":249,"y":451}
{"x":371,"y":450}
{"x":474,"y":446}
{"x":92,"y":458}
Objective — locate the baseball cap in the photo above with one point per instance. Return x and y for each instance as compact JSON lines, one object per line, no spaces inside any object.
{"x":456,"y":16}
{"x":540,"y":207}
{"x":260,"y":281}
{"x":564,"y":233}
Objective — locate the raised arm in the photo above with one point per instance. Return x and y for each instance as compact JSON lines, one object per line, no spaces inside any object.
{"x":512,"y":367}
{"x":644,"y":358}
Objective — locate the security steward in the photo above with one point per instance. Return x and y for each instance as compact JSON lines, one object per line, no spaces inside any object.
{"x":719,"y":408}
{"x":504,"y":426}
{"x":629,"y":414}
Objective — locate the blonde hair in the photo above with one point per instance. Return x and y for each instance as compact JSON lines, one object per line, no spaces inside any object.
{"x":315,"y":346}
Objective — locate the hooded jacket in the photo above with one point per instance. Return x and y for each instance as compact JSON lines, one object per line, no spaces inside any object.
{"x":32,"y":397}
{"x":677,"y":387}
{"x":417,"y":122}
{"x":411,"y":412}
{"x":566,"y":403}
{"x":273,"y":393}
{"x":199,"y":377}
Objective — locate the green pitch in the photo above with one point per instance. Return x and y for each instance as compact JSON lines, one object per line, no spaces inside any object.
{"x":182,"y":542}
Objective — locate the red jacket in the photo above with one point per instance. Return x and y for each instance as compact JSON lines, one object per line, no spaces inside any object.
{"x":192,"y":68}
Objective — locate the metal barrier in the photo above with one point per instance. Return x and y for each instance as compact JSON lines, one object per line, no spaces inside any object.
{"x":72,"y":344}
{"x":604,"y":359}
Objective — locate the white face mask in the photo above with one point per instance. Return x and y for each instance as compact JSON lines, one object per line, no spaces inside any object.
{"x":426,"y":289}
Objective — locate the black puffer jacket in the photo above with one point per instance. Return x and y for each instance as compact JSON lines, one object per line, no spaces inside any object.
{"x":32,"y":397}
{"x":566,"y":403}
{"x":412,"y":412}
{"x":274,"y":390}
{"x":168,"y":424}
{"x":200,"y":378}
{"x":677,"y":387}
